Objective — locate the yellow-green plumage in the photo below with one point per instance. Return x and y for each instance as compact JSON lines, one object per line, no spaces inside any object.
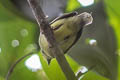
{"x":67,"y":29}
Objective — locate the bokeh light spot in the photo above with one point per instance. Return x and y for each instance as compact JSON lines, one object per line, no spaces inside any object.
{"x":24,"y":32}
{"x":33,"y":63}
{"x":0,"y":50}
{"x":15,"y":43}
{"x":86,"y":2}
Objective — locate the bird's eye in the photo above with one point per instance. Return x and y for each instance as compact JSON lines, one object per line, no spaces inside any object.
{"x":67,"y":37}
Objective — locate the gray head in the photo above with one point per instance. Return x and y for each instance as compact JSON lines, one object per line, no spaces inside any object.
{"x":86,"y":17}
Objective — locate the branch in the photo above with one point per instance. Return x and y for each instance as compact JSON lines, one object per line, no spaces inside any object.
{"x":46,"y":30}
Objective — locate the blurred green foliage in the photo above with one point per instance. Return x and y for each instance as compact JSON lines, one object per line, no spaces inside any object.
{"x":53,"y":70}
{"x":11,"y":25}
{"x":113,"y":12}
{"x":71,"y":6}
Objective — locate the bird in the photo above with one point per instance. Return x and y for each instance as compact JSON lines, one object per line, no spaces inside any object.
{"x":67,"y":30}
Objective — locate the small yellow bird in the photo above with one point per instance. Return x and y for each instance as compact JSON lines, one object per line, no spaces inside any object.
{"x":67,"y":30}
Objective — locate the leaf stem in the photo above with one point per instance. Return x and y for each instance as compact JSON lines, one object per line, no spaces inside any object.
{"x":15,"y":64}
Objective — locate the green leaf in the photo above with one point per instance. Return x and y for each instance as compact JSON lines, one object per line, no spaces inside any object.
{"x":72,"y":5}
{"x":53,"y":70}
{"x":1,"y":78}
{"x":93,"y":76}
{"x":112,"y":10}
{"x":16,"y":35}
{"x":9,"y":6}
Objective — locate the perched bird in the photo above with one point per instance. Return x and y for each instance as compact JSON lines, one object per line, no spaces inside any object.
{"x":67,"y":30}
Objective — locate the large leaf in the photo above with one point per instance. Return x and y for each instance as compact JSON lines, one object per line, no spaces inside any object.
{"x":53,"y":70}
{"x":16,"y":34}
{"x":93,"y":76}
{"x":113,"y":8}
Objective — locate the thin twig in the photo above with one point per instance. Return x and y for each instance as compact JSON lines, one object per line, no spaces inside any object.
{"x":46,"y":30}
{"x":14,"y":65}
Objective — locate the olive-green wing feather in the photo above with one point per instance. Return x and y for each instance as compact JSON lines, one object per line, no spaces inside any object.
{"x":78,"y":35}
{"x":66,"y":15}
{"x":77,"y":38}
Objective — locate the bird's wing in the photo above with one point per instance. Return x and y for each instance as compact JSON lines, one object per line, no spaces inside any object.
{"x":66,"y":15}
{"x":77,"y":38}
